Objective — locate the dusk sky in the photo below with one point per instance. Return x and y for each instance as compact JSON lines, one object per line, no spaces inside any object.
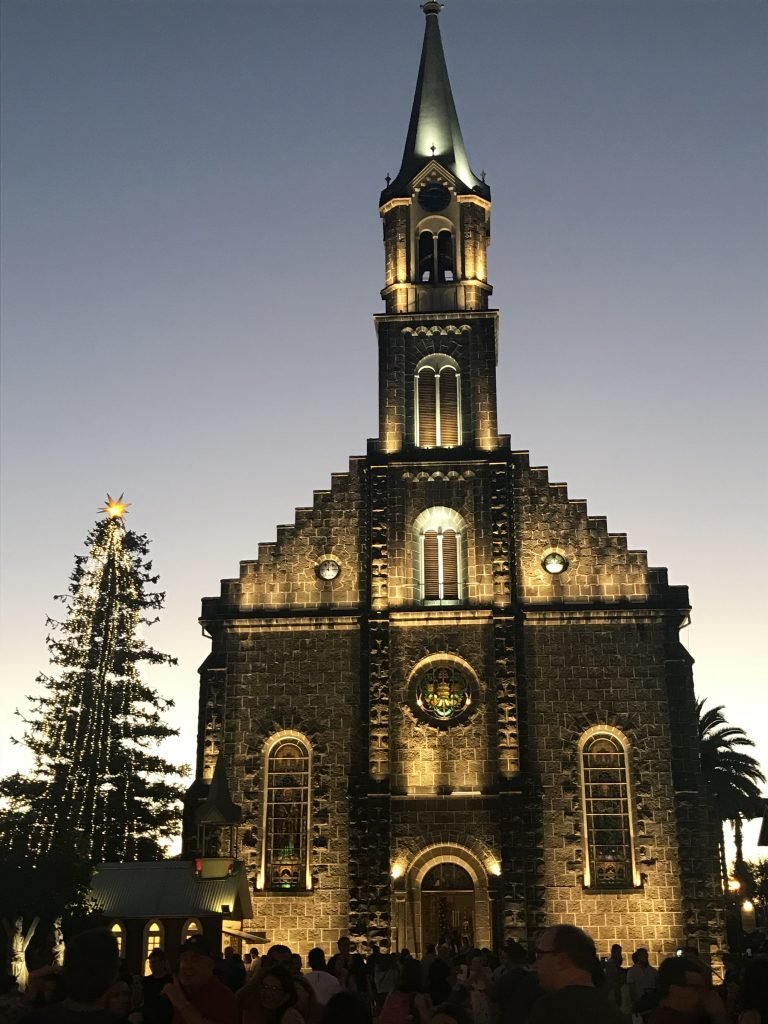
{"x":192,"y":254}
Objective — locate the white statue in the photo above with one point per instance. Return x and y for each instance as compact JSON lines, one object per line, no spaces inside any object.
{"x":18,"y":942}
{"x":57,"y":948}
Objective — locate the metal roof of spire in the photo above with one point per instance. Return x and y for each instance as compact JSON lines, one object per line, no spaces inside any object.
{"x":434,"y":131}
{"x":218,"y":807}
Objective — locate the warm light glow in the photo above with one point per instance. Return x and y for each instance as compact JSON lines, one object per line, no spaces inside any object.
{"x":397,"y":870}
{"x":748,"y":906}
{"x":115,"y":508}
{"x":494,"y":868}
{"x":734,"y":885}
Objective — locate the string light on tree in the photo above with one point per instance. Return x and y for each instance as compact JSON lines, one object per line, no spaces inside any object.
{"x":98,"y":783}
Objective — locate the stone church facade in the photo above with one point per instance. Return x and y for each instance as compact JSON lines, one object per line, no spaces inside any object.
{"x":450,"y":703}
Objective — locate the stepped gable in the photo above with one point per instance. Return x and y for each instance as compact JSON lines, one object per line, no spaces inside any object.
{"x":601,"y":568}
{"x":284,"y":577}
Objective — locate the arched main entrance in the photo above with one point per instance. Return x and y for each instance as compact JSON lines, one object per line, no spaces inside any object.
{"x":442,"y":891}
{"x":448,"y":907}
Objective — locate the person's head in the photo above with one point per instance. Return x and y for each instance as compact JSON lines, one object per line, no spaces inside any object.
{"x":119,"y":998}
{"x":616,"y":954}
{"x":444,"y":952}
{"x":316,"y":959}
{"x":228,"y":952}
{"x":254,"y":954}
{"x":565,"y":955}
{"x":91,"y":963}
{"x":431,"y":949}
{"x":276,"y":989}
{"x":410,"y":976}
{"x":515,"y":954}
{"x":450,"y":1013}
{"x":682,"y":982}
{"x":306,"y":998}
{"x":158,"y":963}
{"x":294,"y":964}
{"x":196,"y":962}
{"x":279,"y":956}
{"x":347,"y":1007}
{"x":640,"y":957}
{"x":753,"y":994}
{"x":344,"y":945}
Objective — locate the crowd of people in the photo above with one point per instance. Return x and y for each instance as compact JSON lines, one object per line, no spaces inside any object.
{"x":562,"y":981}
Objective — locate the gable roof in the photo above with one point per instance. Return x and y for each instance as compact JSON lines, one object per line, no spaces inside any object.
{"x":168,"y":888}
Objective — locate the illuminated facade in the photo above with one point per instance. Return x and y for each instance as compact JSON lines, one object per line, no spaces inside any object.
{"x":449,"y":701}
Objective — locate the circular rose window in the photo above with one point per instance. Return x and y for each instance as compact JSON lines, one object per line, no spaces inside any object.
{"x":443,"y":693}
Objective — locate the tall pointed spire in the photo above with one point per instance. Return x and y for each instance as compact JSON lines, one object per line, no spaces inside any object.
{"x":434,"y":131}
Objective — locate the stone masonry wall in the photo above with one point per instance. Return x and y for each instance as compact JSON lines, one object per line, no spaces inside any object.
{"x":601,"y":568}
{"x":302,"y":677}
{"x":425,"y":758}
{"x":603,"y":669}
{"x":284,"y":574}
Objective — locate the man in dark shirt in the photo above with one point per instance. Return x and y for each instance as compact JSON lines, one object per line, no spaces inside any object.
{"x":197,"y":995}
{"x":565,"y":961}
{"x":156,"y":1008}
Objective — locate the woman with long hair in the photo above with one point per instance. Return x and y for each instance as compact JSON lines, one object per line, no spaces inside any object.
{"x":407,"y":1003}
{"x":270,"y":998}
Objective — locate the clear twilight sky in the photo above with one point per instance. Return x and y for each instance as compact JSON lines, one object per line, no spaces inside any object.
{"x":192,"y":255}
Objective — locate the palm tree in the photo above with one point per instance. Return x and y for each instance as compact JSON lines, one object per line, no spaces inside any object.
{"x":731,"y":776}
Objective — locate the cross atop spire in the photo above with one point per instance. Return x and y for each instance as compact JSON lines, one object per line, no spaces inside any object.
{"x":434,"y":131}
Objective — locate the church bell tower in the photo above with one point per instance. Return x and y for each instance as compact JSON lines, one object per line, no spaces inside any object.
{"x":436,"y":216}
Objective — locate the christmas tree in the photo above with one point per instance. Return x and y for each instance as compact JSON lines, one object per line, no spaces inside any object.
{"x":98,"y":791}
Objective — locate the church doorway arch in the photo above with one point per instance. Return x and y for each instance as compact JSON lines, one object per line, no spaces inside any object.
{"x":443,"y":895}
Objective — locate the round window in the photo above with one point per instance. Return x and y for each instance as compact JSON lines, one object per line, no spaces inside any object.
{"x":555,"y":563}
{"x":443,"y":693}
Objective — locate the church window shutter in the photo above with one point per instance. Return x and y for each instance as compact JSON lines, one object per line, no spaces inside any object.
{"x":449,"y":408}
{"x":426,"y":257}
{"x":445,"y":262}
{"x":605,"y":784}
{"x":450,"y":567}
{"x":427,"y":384}
{"x":287,"y":816}
{"x":431,"y":566}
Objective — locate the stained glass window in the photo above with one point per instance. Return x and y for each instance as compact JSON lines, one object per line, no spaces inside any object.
{"x":443,"y":693}
{"x":287,"y":794}
{"x":606,"y":813}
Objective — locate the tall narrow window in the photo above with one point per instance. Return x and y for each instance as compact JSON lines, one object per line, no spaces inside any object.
{"x":287,"y":815}
{"x":427,"y":398}
{"x":154,"y":934}
{"x":607,"y":823}
{"x":440,"y":535}
{"x":118,"y":930}
{"x":437,"y":390}
{"x":426,"y":257}
{"x":445,"y":263}
{"x":449,"y":407}
{"x":191,"y":927}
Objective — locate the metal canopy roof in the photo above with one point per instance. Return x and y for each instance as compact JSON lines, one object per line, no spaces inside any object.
{"x":168,"y":888}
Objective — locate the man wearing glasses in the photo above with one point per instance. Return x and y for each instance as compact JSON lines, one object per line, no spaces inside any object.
{"x":566,"y":962}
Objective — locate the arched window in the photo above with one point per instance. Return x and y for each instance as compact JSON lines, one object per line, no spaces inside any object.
{"x":436,"y":257}
{"x":191,"y":927}
{"x":154,"y":935}
{"x":437,"y":398}
{"x":286,"y":815}
{"x":607,"y":818}
{"x":440,"y":537}
{"x":118,"y":930}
